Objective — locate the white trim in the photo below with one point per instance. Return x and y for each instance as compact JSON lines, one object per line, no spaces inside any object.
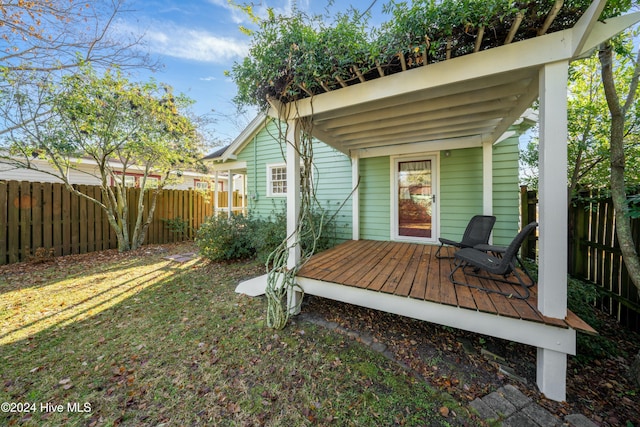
{"x":487,"y":178}
{"x":551,"y":373}
{"x":435,"y":187}
{"x":294,"y":298}
{"x":269,"y":181}
{"x":230,"y":193}
{"x":226,"y":166}
{"x":355,"y":198}
{"x":419,"y":147}
{"x":552,"y":277}
{"x":536,"y":334}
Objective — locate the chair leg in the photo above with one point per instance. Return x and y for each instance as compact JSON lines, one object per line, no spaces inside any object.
{"x":438,"y":256}
{"x":526,"y":272}
{"x":520,"y":282}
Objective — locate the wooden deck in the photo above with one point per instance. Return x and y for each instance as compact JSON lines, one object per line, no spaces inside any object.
{"x":413,"y":271}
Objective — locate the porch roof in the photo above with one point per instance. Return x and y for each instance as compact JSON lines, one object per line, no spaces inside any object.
{"x":461,"y":102}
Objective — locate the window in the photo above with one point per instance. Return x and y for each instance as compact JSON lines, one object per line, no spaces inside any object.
{"x":276,"y":180}
{"x":129,"y":181}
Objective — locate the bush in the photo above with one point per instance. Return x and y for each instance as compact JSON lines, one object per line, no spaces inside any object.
{"x":272,"y":231}
{"x":580,"y":299}
{"x":224,"y":239}
{"x":241,"y":237}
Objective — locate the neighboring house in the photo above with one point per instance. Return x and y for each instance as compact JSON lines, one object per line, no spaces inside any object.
{"x":87,"y":173}
{"x":415,"y":197}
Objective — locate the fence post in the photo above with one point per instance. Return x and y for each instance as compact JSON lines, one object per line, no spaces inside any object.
{"x":4,"y":205}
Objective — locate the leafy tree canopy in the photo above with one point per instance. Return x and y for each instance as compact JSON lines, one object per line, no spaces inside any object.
{"x":118,"y":125}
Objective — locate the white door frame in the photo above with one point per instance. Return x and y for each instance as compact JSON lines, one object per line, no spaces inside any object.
{"x":435,"y":188}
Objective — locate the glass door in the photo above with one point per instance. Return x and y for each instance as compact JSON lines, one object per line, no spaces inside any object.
{"x":415,"y":199}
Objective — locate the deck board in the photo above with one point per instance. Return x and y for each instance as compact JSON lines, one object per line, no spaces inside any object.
{"x":412,"y":270}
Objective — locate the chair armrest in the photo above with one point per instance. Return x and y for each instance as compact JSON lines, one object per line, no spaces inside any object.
{"x":491,"y":248}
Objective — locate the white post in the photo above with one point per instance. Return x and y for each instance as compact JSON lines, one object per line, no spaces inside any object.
{"x":230,"y":192}
{"x":244,"y":194}
{"x":551,"y":374}
{"x":355,"y":198}
{"x":552,"y":273}
{"x":215,"y":195}
{"x":293,"y":205}
{"x":487,"y":178}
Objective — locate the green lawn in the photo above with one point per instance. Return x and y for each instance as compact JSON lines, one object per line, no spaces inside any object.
{"x":135,"y":339}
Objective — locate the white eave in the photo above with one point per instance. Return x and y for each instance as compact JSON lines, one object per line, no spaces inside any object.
{"x":249,"y":132}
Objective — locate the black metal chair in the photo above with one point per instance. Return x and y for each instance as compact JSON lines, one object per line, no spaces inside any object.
{"x":501,"y":267}
{"x":477,"y":232}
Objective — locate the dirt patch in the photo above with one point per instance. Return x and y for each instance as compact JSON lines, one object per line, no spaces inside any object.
{"x":469,"y":365}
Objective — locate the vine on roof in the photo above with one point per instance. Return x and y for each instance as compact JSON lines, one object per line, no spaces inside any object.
{"x":298,"y":56}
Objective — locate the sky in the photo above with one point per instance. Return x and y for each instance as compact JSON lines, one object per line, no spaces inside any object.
{"x":198,"y":40}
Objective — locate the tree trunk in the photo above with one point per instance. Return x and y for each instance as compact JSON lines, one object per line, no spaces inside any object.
{"x":617,"y":157}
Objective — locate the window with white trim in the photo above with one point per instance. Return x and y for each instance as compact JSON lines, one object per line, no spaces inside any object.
{"x":129,"y":181}
{"x":277,"y":180}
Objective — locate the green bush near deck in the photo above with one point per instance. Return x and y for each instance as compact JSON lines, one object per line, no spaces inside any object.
{"x":246,"y":237}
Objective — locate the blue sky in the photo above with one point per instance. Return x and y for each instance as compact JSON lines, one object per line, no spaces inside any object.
{"x":198,"y":40}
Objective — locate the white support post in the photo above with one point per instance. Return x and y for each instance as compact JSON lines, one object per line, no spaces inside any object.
{"x":215,"y":194}
{"x":487,"y":178}
{"x":552,"y":274}
{"x":293,"y":205}
{"x":355,"y":198}
{"x":551,"y":374}
{"x":244,"y":194}
{"x":230,"y":193}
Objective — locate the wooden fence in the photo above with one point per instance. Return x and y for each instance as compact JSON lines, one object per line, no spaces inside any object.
{"x":46,"y":215}
{"x":594,"y":253}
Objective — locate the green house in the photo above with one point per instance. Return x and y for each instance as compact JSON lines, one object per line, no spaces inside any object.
{"x":413,"y":196}
{"x":416,"y":154}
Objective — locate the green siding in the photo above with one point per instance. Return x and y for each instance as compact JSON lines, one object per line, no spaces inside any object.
{"x":332,"y":178}
{"x":506,"y":191}
{"x":460,"y":190}
{"x":460,"y":187}
{"x":375,"y":190}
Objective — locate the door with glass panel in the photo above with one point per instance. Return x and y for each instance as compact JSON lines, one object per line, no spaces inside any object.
{"x":415,"y":199}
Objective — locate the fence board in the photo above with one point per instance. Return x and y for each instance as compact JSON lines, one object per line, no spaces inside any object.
{"x":47,"y":215}
{"x":36,"y":215}
{"x":24,"y":209}
{"x":4,"y":205}
{"x":13,"y":218}
{"x":595,"y":255}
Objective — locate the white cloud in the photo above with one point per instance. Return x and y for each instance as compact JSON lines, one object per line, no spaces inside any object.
{"x":166,"y":38}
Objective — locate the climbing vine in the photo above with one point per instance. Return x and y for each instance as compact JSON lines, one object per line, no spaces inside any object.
{"x":281,"y":284}
{"x":300,"y":55}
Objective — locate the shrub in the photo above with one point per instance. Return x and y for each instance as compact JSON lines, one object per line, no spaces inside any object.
{"x":241,"y":237}
{"x":221,"y":238}
{"x":580,"y":299}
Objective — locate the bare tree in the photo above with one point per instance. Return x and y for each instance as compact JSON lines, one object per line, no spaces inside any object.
{"x":45,"y":39}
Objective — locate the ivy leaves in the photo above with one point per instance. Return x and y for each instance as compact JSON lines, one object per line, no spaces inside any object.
{"x":298,"y":56}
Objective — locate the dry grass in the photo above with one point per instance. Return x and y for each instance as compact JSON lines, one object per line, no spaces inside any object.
{"x":135,"y":339}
